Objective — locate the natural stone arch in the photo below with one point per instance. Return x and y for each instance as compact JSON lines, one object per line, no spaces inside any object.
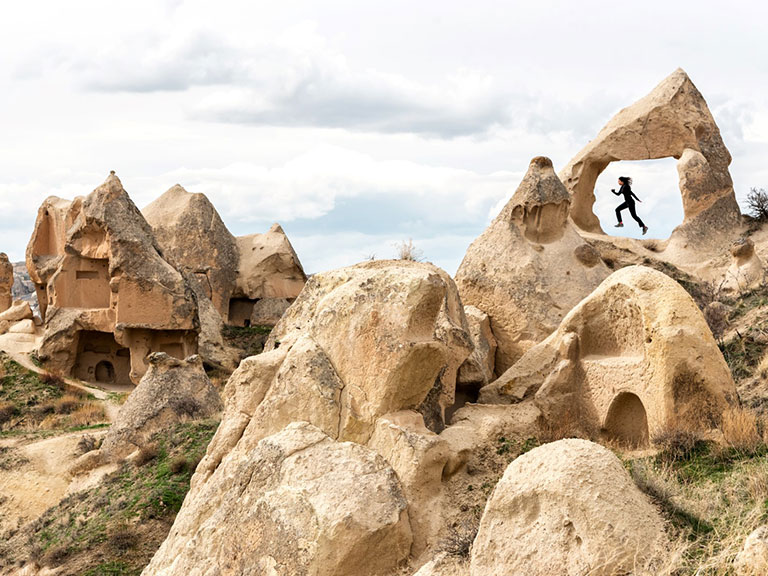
{"x":673,"y":121}
{"x":627,"y":421}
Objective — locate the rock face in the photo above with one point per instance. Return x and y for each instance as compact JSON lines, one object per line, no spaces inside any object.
{"x":295,"y":503}
{"x":367,"y":354}
{"x":635,"y":355}
{"x":269,"y":278}
{"x":6,"y":282}
{"x":569,"y":508}
{"x":170,"y":390}
{"x":672,"y":121}
{"x":23,"y":287}
{"x":746,"y":270}
{"x":106,"y":295}
{"x":753,"y":559}
{"x":529,"y":267}
{"x":193,"y":238}
{"x":477,"y":370}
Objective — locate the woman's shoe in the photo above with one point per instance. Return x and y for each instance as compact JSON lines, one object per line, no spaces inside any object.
{"x":645,"y":229}
{"x":619,"y":225}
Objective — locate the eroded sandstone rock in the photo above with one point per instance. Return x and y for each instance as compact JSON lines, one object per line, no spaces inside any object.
{"x":746,"y":270}
{"x":107,"y":296}
{"x":673,"y":120}
{"x":269,"y":274}
{"x":567,"y":508}
{"x":635,"y":356}
{"x":528,"y":269}
{"x":171,"y":390}
{"x":297,"y":502}
{"x":6,"y":282}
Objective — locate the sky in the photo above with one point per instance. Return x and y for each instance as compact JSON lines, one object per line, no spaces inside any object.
{"x":357,"y":125}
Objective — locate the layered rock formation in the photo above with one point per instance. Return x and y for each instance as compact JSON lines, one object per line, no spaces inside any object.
{"x":6,"y":282}
{"x":107,"y":296}
{"x":567,"y":508}
{"x":269,"y":278}
{"x":635,"y":356}
{"x":367,"y":354}
{"x":672,"y":121}
{"x":529,"y":267}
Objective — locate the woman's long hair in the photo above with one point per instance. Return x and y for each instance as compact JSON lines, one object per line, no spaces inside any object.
{"x":625,"y":180}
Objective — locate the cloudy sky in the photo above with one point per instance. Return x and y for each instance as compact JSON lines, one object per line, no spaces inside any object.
{"x":357,"y":125}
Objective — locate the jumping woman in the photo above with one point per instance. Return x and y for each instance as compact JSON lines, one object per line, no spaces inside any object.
{"x":629,"y":202}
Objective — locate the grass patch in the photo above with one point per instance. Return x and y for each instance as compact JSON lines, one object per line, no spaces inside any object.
{"x":249,"y":340}
{"x":116,"y":527}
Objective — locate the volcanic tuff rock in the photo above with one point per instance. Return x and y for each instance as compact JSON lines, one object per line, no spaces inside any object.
{"x":753,"y":559}
{"x":567,"y":508}
{"x":527,"y":270}
{"x":6,"y":282}
{"x":193,"y":238}
{"x":107,"y":296}
{"x":633,"y":356}
{"x":171,"y":389}
{"x":477,"y":370}
{"x":296,"y":502}
{"x":672,"y":121}
{"x":746,"y":270}
{"x":269,"y":277}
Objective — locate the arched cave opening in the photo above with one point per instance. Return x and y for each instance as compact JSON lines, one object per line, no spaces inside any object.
{"x":627,"y":421}
{"x":656,"y":183}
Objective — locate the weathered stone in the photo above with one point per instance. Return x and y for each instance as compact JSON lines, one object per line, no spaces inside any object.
{"x":107,"y":296}
{"x":23,"y":327}
{"x":746,"y":270}
{"x":525,"y":271}
{"x":19,"y":310}
{"x":635,"y":356}
{"x":672,"y":121}
{"x":753,"y":558}
{"x":477,"y":370}
{"x":268,"y":311}
{"x":567,"y":508}
{"x":171,"y":389}
{"x":6,"y":282}
{"x":269,"y":268}
{"x":295,"y":503}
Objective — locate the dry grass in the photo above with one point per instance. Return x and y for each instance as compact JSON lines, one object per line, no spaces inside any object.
{"x":146,"y":454}
{"x":742,"y":430}
{"x":407,"y":251}
{"x":81,"y":414}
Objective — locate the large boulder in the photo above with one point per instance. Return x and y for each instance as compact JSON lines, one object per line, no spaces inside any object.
{"x":170,"y":391}
{"x":106,"y":294}
{"x":6,"y":282}
{"x":529,"y":267}
{"x":673,"y":120}
{"x":269,"y":275}
{"x":192,"y":237}
{"x":746,"y":270}
{"x":477,"y":370}
{"x":753,"y":558}
{"x":567,"y":508}
{"x":297,"y":502}
{"x":19,"y":310}
{"x":633,"y":358}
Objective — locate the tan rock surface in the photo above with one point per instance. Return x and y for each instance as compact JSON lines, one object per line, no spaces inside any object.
{"x":746,"y":270}
{"x":19,"y":310}
{"x":6,"y":282}
{"x":477,"y":370}
{"x":527,"y":270}
{"x":107,"y":296}
{"x":170,"y":391}
{"x":567,"y":508}
{"x":194,"y":239}
{"x":633,"y":358}
{"x":296,"y":503}
{"x":269,"y":269}
{"x":753,"y":559}
{"x":673,"y":120}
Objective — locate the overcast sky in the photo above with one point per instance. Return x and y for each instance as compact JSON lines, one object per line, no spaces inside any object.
{"x":357,"y":124}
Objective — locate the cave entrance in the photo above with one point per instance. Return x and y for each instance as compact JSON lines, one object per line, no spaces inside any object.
{"x":240,"y":311}
{"x":101,"y":359}
{"x":656,"y":183}
{"x":627,"y":421}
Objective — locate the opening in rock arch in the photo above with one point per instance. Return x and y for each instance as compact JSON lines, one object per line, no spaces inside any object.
{"x":627,"y":421}
{"x":105,"y":372}
{"x":656,"y":183}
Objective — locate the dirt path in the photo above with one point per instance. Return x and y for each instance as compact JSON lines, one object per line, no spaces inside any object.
{"x":34,"y":475}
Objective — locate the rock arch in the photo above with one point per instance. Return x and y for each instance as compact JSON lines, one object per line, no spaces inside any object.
{"x":673,"y":120}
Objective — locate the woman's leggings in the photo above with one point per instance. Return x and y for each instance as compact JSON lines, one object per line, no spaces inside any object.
{"x":631,"y":206}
